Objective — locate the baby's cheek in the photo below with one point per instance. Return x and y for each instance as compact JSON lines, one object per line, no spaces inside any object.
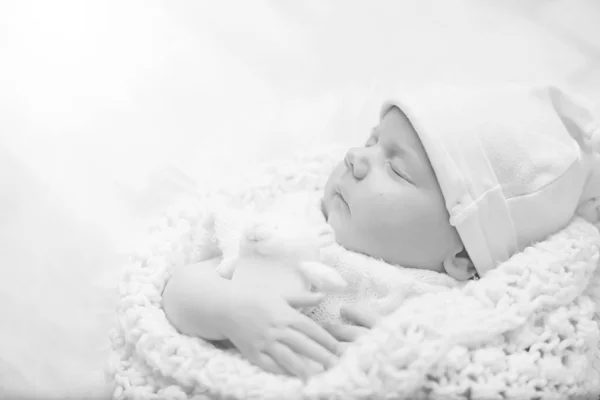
{"x":344,"y":230}
{"x":335,"y":175}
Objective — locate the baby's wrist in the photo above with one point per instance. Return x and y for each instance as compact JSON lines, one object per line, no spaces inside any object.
{"x":196,"y":302}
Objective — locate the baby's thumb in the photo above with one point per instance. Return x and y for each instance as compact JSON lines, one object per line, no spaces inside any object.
{"x":308,"y":299}
{"x":324,"y":278}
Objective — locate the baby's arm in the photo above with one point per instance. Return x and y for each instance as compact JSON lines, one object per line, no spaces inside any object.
{"x":196,"y":300}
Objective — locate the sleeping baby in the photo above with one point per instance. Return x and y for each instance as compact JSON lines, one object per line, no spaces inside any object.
{"x":451,"y":181}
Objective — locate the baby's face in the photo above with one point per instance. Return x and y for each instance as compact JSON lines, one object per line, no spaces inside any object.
{"x":384,"y":200}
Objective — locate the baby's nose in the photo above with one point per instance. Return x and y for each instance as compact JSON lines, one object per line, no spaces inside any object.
{"x":357,"y":162}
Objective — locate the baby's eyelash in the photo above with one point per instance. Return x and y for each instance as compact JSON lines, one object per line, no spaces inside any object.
{"x":399,"y":172}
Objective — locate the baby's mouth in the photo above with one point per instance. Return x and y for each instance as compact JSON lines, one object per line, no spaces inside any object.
{"x":340,"y":193}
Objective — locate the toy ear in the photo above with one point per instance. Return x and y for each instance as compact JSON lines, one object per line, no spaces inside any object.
{"x":229,"y":226}
{"x":205,"y":239}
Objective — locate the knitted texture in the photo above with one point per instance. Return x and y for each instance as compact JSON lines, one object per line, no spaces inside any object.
{"x":527,"y":330}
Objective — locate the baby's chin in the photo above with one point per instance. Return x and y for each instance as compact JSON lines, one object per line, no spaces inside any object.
{"x":347,"y":236}
{"x":340,"y":227}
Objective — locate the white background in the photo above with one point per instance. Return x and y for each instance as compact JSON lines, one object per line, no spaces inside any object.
{"x":108,"y":109}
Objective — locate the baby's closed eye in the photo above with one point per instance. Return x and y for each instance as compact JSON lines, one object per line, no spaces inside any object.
{"x":398,"y":170}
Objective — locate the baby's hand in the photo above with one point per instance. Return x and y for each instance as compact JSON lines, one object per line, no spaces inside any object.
{"x":271,"y":333}
{"x":361,"y":320}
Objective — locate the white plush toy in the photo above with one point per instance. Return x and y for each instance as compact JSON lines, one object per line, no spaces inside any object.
{"x":271,"y":251}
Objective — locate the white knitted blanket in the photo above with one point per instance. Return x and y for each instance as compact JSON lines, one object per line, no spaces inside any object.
{"x":527,"y":330}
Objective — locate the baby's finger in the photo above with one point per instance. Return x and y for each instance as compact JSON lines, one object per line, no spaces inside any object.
{"x":359,"y":316}
{"x":267,"y":363}
{"x":313,"y":367}
{"x":308,"y":299}
{"x":316,"y":332}
{"x":286,"y":358}
{"x":345,"y":333}
{"x":344,"y":347}
{"x":306,"y":347}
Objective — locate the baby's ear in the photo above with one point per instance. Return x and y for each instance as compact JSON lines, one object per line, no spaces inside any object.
{"x":460,"y":266}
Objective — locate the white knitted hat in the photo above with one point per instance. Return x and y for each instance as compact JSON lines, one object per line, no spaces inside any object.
{"x":514,"y":164}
